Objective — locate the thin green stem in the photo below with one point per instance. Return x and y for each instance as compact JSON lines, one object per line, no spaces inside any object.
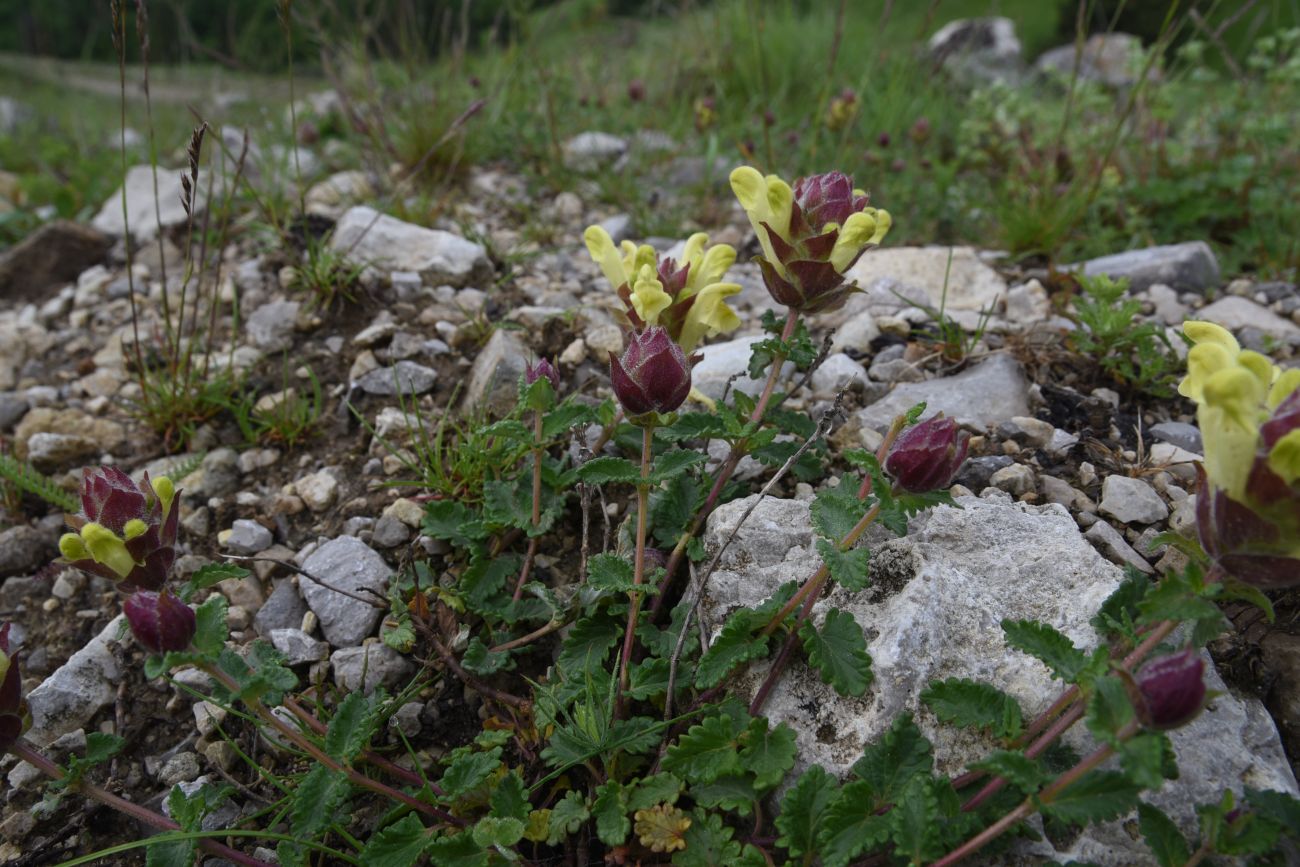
{"x":638,"y":572}
{"x":25,"y":751}
{"x":537,"y":504}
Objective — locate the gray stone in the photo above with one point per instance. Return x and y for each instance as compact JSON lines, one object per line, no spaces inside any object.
{"x":976,"y":473}
{"x":972,"y":285}
{"x":405,"y":377}
{"x":389,"y":532}
{"x":24,"y":549}
{"x":590,"y":151}
{"x":283,"y":609}
{"x":978,"y":50}
{"x":75,"y":692}
{"x":1016,"y":479}
{"x":1114,"y":548}
{"x":180,"y":768}
{"x":1032,"y":432}
{"x":369,"y":666}
{"x":856,"y":333}
{"x":1186,"y":267}
{"x":992,"y":392}
{"x":493,"y":380}
{"x":217,"y":475}
{"x":1168,"y":309}
{"x":330,"y":196}
{"x":1179,"y":433}
{"x":938,"y":596}
{"x":407,"y":718}
{"x":270,"y":327}
{"x":1112,"y":59}
{"x":12,"y":409}
{"x":722,"y":361}
{"x":53,"y":255}
{"x":368,"y":237}
{"x":348,"y":564}
{"x":298,"y":646}
{"x":619,"y":227}
{"x":53,"y":450}
{"x":1028,"y":302}
{"x":1236,"y":313}
{"x":248,"y":537}
{"x":109,"y":435}
{"x":838,"y":371}
{"x":1131,"y":501}
{"x":318,"y":490}
{"x":145,"y":212}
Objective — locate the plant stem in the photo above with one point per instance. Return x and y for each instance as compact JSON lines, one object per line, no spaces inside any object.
{"x":638,"y":573}
{"x":25,"y":751}
{"x":537,"y":504}
{"x":305,"y":744}
{"x":369,"y":756}
{"x":1031,"y":805}
{"x":737,"y":451}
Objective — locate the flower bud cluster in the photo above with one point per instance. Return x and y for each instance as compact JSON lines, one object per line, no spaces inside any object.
{"x":1248,"y":505}
{"x":14,"y":715}
{"x":928,"y":456}
{"x":127,"y":533}
{"x":810,"y":234}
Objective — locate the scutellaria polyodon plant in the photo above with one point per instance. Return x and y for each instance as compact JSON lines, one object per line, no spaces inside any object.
{"x":126,"y":532}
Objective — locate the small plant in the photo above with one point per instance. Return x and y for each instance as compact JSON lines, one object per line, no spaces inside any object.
{"x":1137,"y":356}
{"x":327,"y":276}
{"x":955,"y":344}
{"x":289,"y":417}
{"x":26,"y":479}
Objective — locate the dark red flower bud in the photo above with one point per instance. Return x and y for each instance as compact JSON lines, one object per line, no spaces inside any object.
{"x":14,"y":716}
{"x":636,"y":90}
{"x":654,"y":374}
{"x":883,"y":139}
{"x":920,"y":130}
{"x":1171,"y":690}
{"x":110,"y":497}
{"x":542,"y":367}
{"x":159,"y":621}
{"x":928,"y":455}
{"x":1243,"y":543}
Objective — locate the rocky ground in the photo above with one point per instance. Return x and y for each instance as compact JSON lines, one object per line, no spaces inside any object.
{"x":1071,"y":473}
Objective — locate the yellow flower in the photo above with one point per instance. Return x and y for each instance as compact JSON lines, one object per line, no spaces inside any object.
{"x":648,"y":296}
{"x":765,"y":200}
{"x":619,"y":264}
{"x":107,"y":548}
{"x":709,"y":315}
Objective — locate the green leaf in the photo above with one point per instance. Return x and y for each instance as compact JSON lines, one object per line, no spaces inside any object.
{"x":705,"y":752}
{"x":1177,"y":597}
{"x":802,"y":811}
{"x":510,"y":798}
{"x":1119,"y":613}
{"x":459,"y":850}
{"x":351,"y":728}
{"x":261,"y":674}
{"x":453,"y":522}
{"x":206,"y":576}
{"x":637,"y":735}
{"x":479,"y":659}
{"x":170,"y":853}
{"x":768,"y":753}
{"x":837,"y":510}
{"x":914,"y":822}
{"x":839,"y":652}
{"x":675,"y":462}
{"x":736,"y":644}
{"x":605,"y":470}
{"x":468,"y":771}
{"x":1016,"y":768}
{"x":1097,"y":796}
{"x":100,"y":747}
{"x":900,"y":754}
{"x":210,"y":631}
{"x":659,"y":789}
{"x":609,"y":808}
{"x":734,"y":793}
{"x":567,"y":817}
{"x":399,"y":845}
{"x":588,"y":644}
{"x":1109,"y":710}
{"x":1276,"y":806}
{"x":565,"y":416}
{"x":484,"y":582}
{"x":672,"y":506}
{"x":848,"y":828}
{"x":849,"y":568}
{"x":611,"y":573}
{"x":1148,"y":759}
{"x":650,"y":678}
{"x":974,"y":705}
{"x":492,"y":831}
{"x":694,"y":426}
{"x":1043,"y":642}
{"x":1162,"y":837}
{"x":708,"y":843}
{"x":317,"y":800}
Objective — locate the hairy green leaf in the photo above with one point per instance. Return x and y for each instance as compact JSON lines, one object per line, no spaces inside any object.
{"x":588,"y":644}
{"x":479,"y":659}
{"x":900,"y":754}
{"x":708,"y":843}
{"x":1016,"y":768}
{"x":317,"y":800}
{"x":839,"y":652}
{"x":399,"y":845}
{"x":706,"y":751}
{"x":206,"y":576}
{"x":351,"y":727}
{"x":210,"y":630}
{"x":802,"y":810}
{"x":659,"y":789}
{"x":567,"y":817}
{"x":605,"y":470}
{"x":493,"y":831}
{"x":1162,"y":837}
{"x":609,"y":808}
{"x":611,"y":573}
{"x":1109,"y":710}
{"x":837,"y":510}
{"x":1043,"y":642}
{"x":970,"y":704}
{"x":734,"y":793}
{"x":736,"y":644}
{"x":768,"y":753}
{"x":458,"y":850}
{"x":849,"y":828}
{"x":1097,"y":796}
{"x":850,"y":568}
{"x":674,"y":463}
{"x":914,"y":822}
{"x":468,"y":771}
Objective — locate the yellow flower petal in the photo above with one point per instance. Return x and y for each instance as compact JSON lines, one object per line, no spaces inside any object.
{"x":703,"y":399}
{"x":711,"y":267}
{"x":648,"y":296}
{"x":694,"y":250}
{"x":1259,"y":365}
{"x":856,"y":233}
{"x":1229,"y":417}
{"x":779,"y":199}
{"x":163,"y":487}
{"x":107,"y":548}
{"x":134,"y":528}
{"x":1284,"y":459}
{"x":72,"y":548}
{"x":749,"y":187}
{"x":1209,"y":333}
{"x":1283,"y":387}
{"x":603,"y":252}
{"x":709,"y":315}
{"x":1203,"y":361}
{"x":765,"y":200}
{"x":883,"y":223}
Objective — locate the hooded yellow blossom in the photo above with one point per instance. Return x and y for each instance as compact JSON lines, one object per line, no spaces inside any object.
{"x":688,"y":298}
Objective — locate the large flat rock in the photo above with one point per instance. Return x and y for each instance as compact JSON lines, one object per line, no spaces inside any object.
{"x":993,"y":391}
{"x":368,"y":237}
